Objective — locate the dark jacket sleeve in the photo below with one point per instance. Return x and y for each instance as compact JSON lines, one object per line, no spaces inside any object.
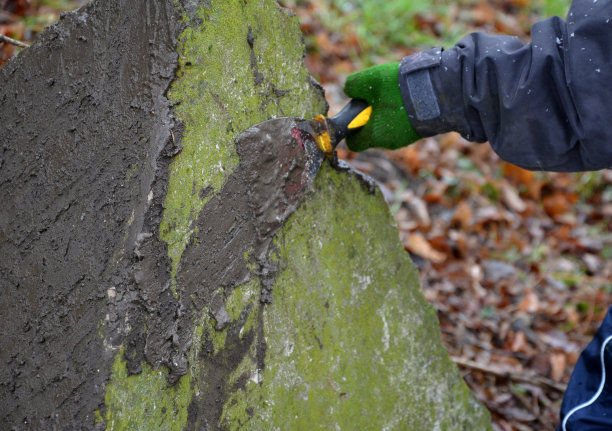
{"x":544,"y":105}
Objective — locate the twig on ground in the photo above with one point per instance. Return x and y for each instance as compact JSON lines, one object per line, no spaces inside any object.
{"x":511,"y":375}
{"x":15,"y":42}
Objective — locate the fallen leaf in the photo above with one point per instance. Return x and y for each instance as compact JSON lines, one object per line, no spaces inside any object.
{"x":529,"y":303}
{"x":495,"y":271}
{"x":558,"y":204}
{"x":409,"y":158}
{"x":519,"y":343}
{"x":511,"y":198}
{"x":463,"y":215}
{"x":520,"y":175}
{"x":417,"y":243}
{"x":592,"y":262}
{"x":533,"y":187}
{"x":557,"y":366}
{"x":418,"y":208}
{"x":483,"y":12}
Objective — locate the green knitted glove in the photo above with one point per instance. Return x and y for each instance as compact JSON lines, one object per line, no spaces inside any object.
{"x":389,"y":126}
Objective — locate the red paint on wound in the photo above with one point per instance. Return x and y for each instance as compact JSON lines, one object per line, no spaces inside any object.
{"x":298,"y":136}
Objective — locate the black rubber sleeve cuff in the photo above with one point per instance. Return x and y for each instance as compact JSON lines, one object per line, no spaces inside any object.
{"x":431,"y":93}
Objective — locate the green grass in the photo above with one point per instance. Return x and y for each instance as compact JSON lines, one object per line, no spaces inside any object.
{"x":383,"y":26}
{"x":554,"y":7}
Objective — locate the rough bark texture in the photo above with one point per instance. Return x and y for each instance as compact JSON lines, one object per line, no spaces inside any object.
{"x":141,"y":287}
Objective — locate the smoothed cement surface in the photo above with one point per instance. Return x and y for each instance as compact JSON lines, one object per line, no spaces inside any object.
{"x":85,"y":134}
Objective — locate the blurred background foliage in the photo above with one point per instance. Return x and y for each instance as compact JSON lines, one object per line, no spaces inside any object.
{"x":25,"y":19}
{"x":382,"y":28}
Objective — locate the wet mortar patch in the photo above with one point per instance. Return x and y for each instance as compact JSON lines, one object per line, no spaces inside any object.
{"x":85,"y":126}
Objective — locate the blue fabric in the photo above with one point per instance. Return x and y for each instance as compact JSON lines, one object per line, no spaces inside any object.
{"x":587,"y":405}
{"x":543,"y":105}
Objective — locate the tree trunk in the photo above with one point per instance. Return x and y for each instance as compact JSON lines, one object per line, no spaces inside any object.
{"x":140,"y":289}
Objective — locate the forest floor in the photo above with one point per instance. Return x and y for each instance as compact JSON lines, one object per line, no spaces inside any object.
{"x":518,"y":264}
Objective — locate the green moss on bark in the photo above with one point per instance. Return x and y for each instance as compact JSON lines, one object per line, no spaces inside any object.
{"x":351,"y":342}
{"x":144,"y":401}
{"x":241,"y":66}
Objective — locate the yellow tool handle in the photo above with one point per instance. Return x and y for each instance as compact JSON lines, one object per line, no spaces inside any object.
{"x":353,"y":117}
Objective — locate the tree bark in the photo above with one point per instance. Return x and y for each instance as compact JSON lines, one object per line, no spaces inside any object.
{"x":140,"y":289}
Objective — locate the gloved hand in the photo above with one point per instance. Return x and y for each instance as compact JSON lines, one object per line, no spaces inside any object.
{"x":389,"y":126}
